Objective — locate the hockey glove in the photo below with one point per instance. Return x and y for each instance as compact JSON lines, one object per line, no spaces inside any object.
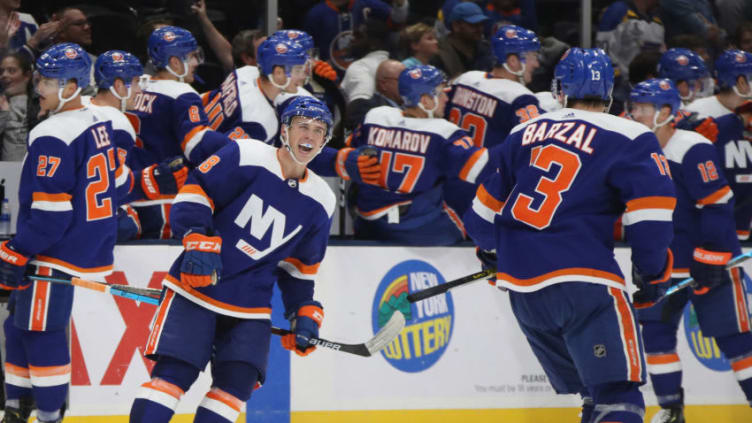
{"x":163,"y":179}
{"x":202,"y":262}
{"x":325,"y":70}
{"x":360,"y":165}
{"x":305,"y":324}
{"x":708,"y":269}
{"x":488,"y":261}
{"x":650,"y":288}
{"x":129,"y":225}
{"x":12,"y":267}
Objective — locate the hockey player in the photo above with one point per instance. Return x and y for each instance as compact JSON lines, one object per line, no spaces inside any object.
{"x":417,"y":151}
{"x":170,"y":122}
{"x":704,"y":240}
{"x":686,"y":70}
{"x":66,"y":227}
{"x":563,"y":180}
{"x":733,"y":69}
{"x":244,"y":105}
{"x":489,"y":104}
{"x":273,"y":217}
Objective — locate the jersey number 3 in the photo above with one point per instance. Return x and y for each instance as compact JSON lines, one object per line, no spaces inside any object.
{"x":551,"y":189}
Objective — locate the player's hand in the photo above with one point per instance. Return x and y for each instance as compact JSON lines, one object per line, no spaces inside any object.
{"x":324,"y":70}
{"x":360,"y":165}
{"x":651,"y":288}
{"x":202,"y":262}
{"x":488,"y":261}
{"x":129,"y":225}
{"x":708,"y":269}
{"x":305,"y":324}
{"x":12,"y":267}
{"x":165,"y":178}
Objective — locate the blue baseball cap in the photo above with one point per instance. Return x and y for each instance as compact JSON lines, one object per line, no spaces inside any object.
{"x":468,"y":12}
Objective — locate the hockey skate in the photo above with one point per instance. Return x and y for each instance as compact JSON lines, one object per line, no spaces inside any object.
{"x":669,"y":415}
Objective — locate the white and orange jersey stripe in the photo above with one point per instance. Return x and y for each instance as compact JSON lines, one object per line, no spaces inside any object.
{"x":742,"y":367}
{"x":223,"y":404}
{"x":192,"y":139}
{"x":158,"y":323}
{"x":72,"y":269}
{"x":663,"y":363}
{"x":17,"y":375}
{"x":740,"y":300}
{"x":215,"y":305}
{"x":161,"y":392}
{"x":653,"y":208}
{"x":572,"y":274}
{"x":193,"y":193}
{"x":486,"y":205}
{"x":474,"y":165}
{"x":382,"y":211}
{"x":47,"y":376}
{"x":630,"y":336}
{"x":298,"y":269}
{"x":722,"y":196}
{"x":59,"y":202}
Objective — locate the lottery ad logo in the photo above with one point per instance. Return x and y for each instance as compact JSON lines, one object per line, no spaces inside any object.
{"x":428,"y":331}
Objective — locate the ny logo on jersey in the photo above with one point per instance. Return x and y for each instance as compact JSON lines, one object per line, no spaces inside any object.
{"x":737,"y":154}
{"x":253,"y":211}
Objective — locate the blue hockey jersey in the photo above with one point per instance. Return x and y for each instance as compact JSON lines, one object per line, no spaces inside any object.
{"x":273,"y":228}
{"x":735,"y":151}
{"x":417,"y":155}
{"x":169,"y":121}
{"x":68,"y":193}
{"x":563,"y":180}
{"x":704,"y":202}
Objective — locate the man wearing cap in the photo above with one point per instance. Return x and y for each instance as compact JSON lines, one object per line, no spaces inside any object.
{"x":464,"y":48}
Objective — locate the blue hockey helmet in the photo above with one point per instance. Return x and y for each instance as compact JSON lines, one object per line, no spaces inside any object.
{"x":513,"y":39}
{"x":732,"y":64}
{"x":657,"y":91}
{"x":65,"y":61}
{"x":417,"y":81}
{"x":584,"y":73}
{"x":681,"y":64}
{"x":295,"y":36}
{"x":310,"y":107}
{"x":170,"y":41}
{"x":116,"y":64}
{"x":276,"y":52}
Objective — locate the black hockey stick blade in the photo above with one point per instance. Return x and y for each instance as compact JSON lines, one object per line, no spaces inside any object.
{"x":383,"y":337}
{"x":734,"y":262}
{"x":444,"y":287}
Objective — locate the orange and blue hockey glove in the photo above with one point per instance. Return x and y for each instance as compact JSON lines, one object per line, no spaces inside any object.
{"x":202,"y":261}
{"x":305,"y":324}
{"x":651,"y":288}
{"x":360,"y":165}
{"x":12,"y":267}
{"x":325,"y":70}
{"x":163,"y":179}
{"x":708,"y":269}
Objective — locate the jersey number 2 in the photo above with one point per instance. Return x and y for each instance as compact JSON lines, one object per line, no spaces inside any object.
{"x":471,"y":122}
{"x":551,"y":189}
{"x":99,"y":166}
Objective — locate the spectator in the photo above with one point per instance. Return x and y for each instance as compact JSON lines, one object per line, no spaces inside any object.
{"x":732,"y":13}
{"x":627,"y":28}
{"x":20,"y":32}
{"x":359,"y":80}
{"x":511,"y":12}
{"x":743,"y":37}
{"x":18,"y":106}
{"x":694,"y":43}
{"x":217,"y":42}
{"x":387,"y":93}
{"x":420,"y":42}
{"x":245,"y":47}
{"x":643,"y":67}
{"x":690,"y":17}
{"x":464,"y":48}
{"x":74,"y":28}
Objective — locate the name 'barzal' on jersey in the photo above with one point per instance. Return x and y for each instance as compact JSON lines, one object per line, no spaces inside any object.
{"x":560,"y":131}
{"x":397,"y":138}
{"x":475,"y":101}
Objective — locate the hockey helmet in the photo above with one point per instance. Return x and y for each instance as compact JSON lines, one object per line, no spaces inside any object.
{"x":513,"y":39}
{"x":115,"y":64}
{"x":65,"y":61}
{"x":584,"y":73}
{"x":417,"y":81}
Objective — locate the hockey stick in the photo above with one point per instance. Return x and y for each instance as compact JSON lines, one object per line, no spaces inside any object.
{"x":734,"y":262}
{"x":383,"y":337}
{"x":444,"y":287}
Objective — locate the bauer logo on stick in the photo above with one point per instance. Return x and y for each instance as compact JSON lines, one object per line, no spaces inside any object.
{"x":428,"y":331}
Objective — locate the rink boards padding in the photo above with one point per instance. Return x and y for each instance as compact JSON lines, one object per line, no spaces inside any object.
{"x":461,"y":355}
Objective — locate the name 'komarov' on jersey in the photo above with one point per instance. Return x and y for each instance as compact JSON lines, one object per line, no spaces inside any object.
{"x":273,"y":228}
{"x":68,"y":193}
{"x":416,"y":155}
{"x":563,"y":180}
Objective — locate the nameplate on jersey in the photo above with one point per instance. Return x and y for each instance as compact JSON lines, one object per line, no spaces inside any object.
{"x":399,"y":139}
{"x":229,"y":95}
{"x":144,"y":102}
{"x":475,"y":101}
{"x":570,"y":133}
{"x":261,"y":222}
